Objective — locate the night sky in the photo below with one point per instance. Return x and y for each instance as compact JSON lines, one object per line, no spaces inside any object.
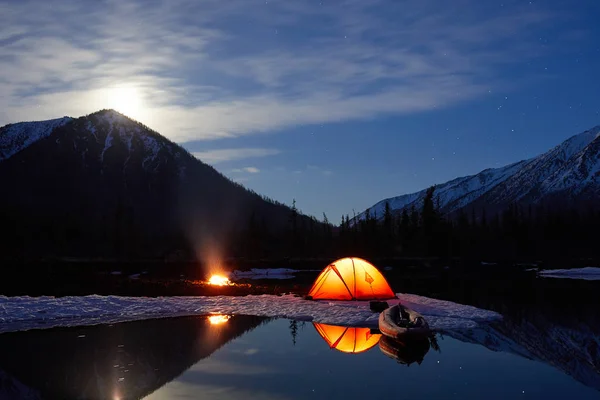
{"x":337,"y":104}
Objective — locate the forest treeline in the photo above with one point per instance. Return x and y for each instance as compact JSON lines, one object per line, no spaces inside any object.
{"x":516,"y":233}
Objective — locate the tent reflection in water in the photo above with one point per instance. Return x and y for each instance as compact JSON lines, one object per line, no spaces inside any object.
{"x":351,"y":279}
{"x":348,"y":339}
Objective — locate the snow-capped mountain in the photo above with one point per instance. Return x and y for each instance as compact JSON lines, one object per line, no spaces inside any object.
{"x":452,"y":195}
{"x":104,"y":184}
{"x":570,"y":172}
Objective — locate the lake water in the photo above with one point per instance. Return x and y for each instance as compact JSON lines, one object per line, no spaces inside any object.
{"x":245,"y":357}
{"x":547,"y":346}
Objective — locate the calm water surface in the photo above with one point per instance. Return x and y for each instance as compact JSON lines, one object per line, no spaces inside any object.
{"x":546,"y":347}
{"x":245,"y":357}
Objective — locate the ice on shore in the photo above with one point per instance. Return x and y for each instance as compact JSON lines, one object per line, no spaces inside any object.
{"x":23,"y":313}
{"x":587,"y":273}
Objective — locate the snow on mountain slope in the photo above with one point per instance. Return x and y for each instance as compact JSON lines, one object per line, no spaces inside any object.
{"x":111,"y":129}
{"x":16,"y":137}
{"x":565,"y":167}
{"x":453,"y":194}
{"x":105,"y":128}
{"x":139,"y":142}
{"x":569,"y":169}
{"x":578,"y":172}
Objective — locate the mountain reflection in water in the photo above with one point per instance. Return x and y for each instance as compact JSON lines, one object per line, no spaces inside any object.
{"x":162,"y":357}
{"x":121,"y":361}
{"x":565,"y":338}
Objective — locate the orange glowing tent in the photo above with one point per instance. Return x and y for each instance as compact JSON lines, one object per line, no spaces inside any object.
{"x":346,"y":339}
{"x":350,"y":279}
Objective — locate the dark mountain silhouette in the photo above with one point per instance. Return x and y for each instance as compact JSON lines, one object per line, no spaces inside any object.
{"x":105,"y":185}
{"x":121,"y":361}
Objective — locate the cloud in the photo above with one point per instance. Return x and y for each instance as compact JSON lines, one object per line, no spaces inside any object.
{"x":250,"y":170}
{"x":223,"y":155}
{"x":309,"y":169}
{"x":212,"y":69}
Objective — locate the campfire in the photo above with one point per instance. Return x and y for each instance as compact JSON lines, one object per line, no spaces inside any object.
{"x":219,"y":280}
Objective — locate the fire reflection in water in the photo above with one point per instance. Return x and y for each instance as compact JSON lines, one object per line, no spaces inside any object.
{"x":218,"y":319}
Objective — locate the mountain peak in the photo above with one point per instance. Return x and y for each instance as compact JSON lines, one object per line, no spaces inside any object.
{"x":576,"y":143}
{"x":108,"y":111}
{"x":120,"y":189}
{"x":595,"y":130}
{"x":112,"y":115}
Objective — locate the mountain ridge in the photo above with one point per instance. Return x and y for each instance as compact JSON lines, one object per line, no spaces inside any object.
{"x":18,"y":136}
{"x":98,"y":183}
{"x":567,"y":173}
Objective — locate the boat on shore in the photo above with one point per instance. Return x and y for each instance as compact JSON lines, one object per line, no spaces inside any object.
{"x":400,"y":322}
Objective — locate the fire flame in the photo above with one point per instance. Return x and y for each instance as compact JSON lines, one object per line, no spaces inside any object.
{"x":218,"y":280}
{"x":218,"y":319}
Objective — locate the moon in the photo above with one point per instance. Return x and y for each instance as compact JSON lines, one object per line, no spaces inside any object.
{"x":126,"y":100}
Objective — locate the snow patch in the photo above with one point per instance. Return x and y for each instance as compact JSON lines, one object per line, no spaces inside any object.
{"x":16,"y":137}
{"x":587,"y":273}
{"x":151,"y":149}
{"x":23,"y":313}
{"x":92,"y":130}
{"x":181,"y":172}
{"x":107,"y":144}
{"x":127,"y":137}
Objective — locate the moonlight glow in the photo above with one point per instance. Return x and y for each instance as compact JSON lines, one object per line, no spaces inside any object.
{"x":126,"y":100}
